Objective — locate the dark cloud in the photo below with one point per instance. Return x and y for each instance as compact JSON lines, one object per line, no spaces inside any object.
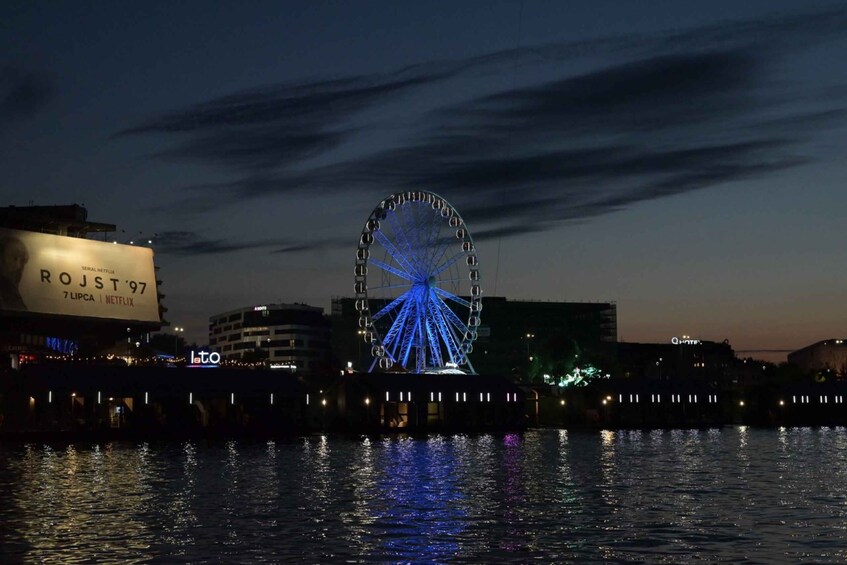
{"x":22,"y":94}
{"x":509,"y":231}
{"x":661,"y":115}
{"x":275,"y":126}
{"x":187,"y":243}
{"x":617,"y":180}
{"x":300,"y":248}
{"x":315,"y":245}
{"x":323,"y":102}
{"x":191,"y":243}
{"x":645,"y":95}
{"x":256,"y":148}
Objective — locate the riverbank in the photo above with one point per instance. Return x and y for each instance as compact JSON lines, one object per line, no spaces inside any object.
{"x":80,"y":402}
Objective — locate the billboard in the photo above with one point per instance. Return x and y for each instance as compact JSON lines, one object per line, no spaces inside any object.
{"x":68,"y":276}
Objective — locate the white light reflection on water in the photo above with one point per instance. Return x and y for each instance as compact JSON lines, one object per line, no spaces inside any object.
{"x":730,"y":494}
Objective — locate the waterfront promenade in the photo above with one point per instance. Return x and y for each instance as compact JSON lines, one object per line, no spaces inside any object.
{"x":75,"y":401}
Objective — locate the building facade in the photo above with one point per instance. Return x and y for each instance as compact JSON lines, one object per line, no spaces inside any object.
{"x":294,"y":336}
{"x":511,"y":332}
{"x":678,"y":359}
{"x":521,"y":337}
{"x":828,"y":355}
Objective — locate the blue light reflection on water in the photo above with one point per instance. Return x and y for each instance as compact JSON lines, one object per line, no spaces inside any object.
{"x":728,"y":494}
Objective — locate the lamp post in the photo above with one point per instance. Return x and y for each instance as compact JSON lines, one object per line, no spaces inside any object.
{"x":177,"y":331}
{"x":529,"y":336}
{"x":360,"y":335}
{"x":529,"y":355}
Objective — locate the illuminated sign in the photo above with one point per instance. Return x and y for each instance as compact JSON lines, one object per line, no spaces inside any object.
{"x":65,"y":346}
{"x":685,"y":340}
{"x":69,"y":276}
{"x":205,"y":359}
{"x":259,"y":308}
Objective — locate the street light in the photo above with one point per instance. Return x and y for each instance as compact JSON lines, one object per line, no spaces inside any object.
{"x":359,"y":339}
{"x":177,"y":331}
{"x":529,"y":336}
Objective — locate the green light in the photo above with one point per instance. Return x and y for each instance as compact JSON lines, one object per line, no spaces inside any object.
{"x":581,"y":376}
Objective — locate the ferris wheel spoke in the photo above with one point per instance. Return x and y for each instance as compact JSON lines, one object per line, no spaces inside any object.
{"x":394,"y":337}
{"x":446,"y":265}
{"x":439,"y":281}
{"x":438,"y":248}
{"x":391,"y":306}
{"x":409,"y":331}
{"x":393,"y":251}
{"x":404,"y":285}
{"x":451,"y":316}
{"x":390,"y":269}
{"x":400,"y":229}
{"x":448,"y":334}
{"x":444,"y":330}
{"x":450,"y":296}
{"x":426,"y":232}
{"x":434,"y":345}
{"x":398,"y":322}
{"x":422,"y":330}
{"x":418,"y":229}
{"x":438,"y":256}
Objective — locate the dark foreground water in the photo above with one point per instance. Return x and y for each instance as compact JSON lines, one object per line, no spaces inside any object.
{"x":729,"y":494}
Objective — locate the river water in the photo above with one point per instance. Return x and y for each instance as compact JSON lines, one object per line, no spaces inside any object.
{"x":730,"y":494}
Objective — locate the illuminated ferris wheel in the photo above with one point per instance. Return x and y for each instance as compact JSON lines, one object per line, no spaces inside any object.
{"x":418,"y":292}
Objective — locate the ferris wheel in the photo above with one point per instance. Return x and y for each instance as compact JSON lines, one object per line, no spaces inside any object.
{"x":418,"y":292}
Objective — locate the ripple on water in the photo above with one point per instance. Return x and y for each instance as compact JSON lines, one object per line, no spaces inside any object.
{"x":733,"y":494}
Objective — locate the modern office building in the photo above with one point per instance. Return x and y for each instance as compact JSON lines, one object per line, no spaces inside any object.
{"x":292,"y":336}
{"x":830,"y":354}
{"x":511,"y":332}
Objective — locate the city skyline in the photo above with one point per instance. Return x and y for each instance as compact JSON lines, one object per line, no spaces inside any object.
{"x":682,"y":161}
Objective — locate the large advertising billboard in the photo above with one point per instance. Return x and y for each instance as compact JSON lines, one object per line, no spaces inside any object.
{"x":68,"y":276}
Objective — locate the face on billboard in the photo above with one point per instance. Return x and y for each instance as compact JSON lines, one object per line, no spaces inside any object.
{"x":13,"y":259}
{"x":51,"y":274}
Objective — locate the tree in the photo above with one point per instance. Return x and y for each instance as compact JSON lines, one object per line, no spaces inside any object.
{"x":172,"y":344}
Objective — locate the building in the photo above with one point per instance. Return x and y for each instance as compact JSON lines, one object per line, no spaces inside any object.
{"x":678,"y":359}
{"x":517,"y":336}
{"x":828,"y":355}
{"x":512,"y":332}
{"x":65,"y":288}
{"x":70,"y":220}
{"x":296,"y":336}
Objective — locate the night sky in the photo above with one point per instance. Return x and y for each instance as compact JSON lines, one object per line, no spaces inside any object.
{"x":684,"y":159}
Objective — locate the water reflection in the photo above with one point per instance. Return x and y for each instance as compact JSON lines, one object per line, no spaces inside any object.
{"x":729,"y":494}
{"x":418,"y":509}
